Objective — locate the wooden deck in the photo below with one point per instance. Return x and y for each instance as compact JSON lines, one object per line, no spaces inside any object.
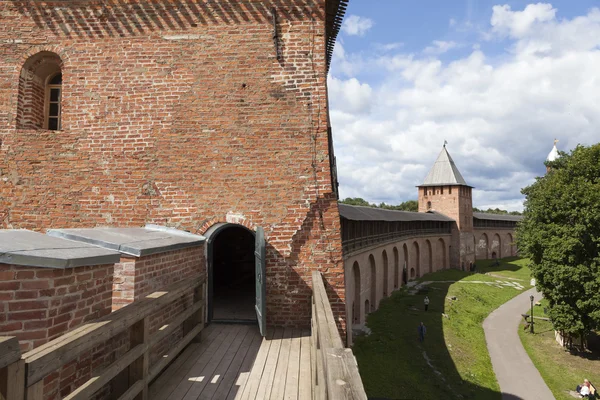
{"x":235,"y":362}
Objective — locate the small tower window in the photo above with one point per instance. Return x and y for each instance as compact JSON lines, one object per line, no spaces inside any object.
{"x":428,"y":205}
{"x":53,"y":96}
{"x":449,"y":189}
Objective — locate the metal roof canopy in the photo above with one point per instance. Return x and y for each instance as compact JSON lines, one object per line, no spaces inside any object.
{"x":444,"y":172}
{"x":33,"y":249}
{"x":497,"y":217}
{"x":361,"y":213}
{"x":137,"y":242}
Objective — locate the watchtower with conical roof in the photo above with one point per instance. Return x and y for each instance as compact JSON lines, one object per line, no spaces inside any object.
{"x":445,"y":191}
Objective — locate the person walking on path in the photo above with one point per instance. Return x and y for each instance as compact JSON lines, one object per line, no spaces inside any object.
{"x":422,"y":332}
{"x":426,"y":302}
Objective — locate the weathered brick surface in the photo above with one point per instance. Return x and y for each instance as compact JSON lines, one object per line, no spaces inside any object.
{"x":179,"y":113}
{"x":40,"y":304}
{"x":457,"y":203}
{"x":136,"y":278}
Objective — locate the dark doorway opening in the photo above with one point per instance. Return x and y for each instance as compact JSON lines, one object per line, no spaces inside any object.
{"x":232,"y":275}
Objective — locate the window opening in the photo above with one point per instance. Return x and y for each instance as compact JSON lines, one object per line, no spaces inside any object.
{"x":53,"y":108}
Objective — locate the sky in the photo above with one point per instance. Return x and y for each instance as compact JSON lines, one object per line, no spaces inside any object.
{"x":499,"y":81}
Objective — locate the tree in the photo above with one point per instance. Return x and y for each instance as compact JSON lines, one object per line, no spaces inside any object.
{"x":356,"y":201}
{"x":496,"y":211}
{"x":410,"y":205}
{"x":560,"y":233}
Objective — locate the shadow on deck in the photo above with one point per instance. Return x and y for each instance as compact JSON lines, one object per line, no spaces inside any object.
{"x":235,"y":362}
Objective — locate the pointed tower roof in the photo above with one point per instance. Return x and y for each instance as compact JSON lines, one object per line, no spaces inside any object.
{"x":553,"y":155}
{"x":444,"y":172}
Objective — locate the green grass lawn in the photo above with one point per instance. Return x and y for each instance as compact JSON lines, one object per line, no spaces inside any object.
{"x":394,"y":365}
{"x":561,"y":370}
{"x":510,"y":267}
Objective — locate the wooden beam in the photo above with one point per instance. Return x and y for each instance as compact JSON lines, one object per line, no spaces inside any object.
{"x":180,"y":319}
{"x":10,"y":351}
{"x":133,"y":391}
{"x":86,"y":390}
{"x":12,"y":381}
{"x":138,"y":369}
{"x":54,"y":354}
{"x":164,"y":361}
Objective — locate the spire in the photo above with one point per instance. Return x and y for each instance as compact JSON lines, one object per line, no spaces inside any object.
{"x":444,"y":172}
{"x":553,"y":155}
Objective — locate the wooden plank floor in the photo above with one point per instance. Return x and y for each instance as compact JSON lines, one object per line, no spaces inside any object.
{"x":233,"y":362}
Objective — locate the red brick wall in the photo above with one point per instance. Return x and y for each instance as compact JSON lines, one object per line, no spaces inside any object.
{"x":136,"y":278}
{"x":40,"y":304}
{"x":181,"y":115}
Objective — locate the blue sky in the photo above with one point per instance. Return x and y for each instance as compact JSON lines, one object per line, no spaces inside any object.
{"x":497,"y":80}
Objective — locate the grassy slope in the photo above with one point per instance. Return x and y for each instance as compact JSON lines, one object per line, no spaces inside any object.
{"x":511,"y":267}
{"x":561,"y":370}
{"x":391,"y":359}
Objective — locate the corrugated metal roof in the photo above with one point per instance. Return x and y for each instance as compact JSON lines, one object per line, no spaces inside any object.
{"x":497,"y":217}
{"x":359,"y":213}
{"x":444,"y":172}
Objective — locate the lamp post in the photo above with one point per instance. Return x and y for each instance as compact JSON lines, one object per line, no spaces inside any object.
{"x":531,"y":324}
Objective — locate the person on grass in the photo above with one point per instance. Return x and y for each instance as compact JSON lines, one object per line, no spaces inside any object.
{"x":584,"y":389}
{"x":422,"y":332}
{"x":426,"y":302}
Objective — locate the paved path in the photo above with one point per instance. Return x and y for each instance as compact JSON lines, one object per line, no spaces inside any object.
{"x":517,"y":376}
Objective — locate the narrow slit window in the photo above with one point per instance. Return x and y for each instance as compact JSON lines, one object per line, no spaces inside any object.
{"x":53,"y":107}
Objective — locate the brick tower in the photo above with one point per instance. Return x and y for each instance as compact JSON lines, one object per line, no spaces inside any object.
{"x":445,"y":191}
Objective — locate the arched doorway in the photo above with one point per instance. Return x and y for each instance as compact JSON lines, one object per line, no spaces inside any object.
{"x":405,"y":266}
{"x":231,"y":273}
{"x":481,"y":253}
{"x":415,"y":272}
{"x":497,"y":246}
{"x":385,"y":273}
{"x":429,"y":257}
{"x":442,"y":252}
{"x":373,"y":282}
{"x":356,"y":304}
{"x":396,"y":269}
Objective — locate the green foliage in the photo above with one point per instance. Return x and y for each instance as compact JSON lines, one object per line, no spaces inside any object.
{"x":560,"y":369}
{"x":496,"y":211}
{"x":410,"y":205}
{"x":356,"y":201}
{"x":560,"y":232}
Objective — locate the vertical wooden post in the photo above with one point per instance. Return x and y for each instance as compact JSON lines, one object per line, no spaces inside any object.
{"x":196,"y":318}
{"x":12,"y":369}
{"x":35,"y":391}
{"x":12,"y":381}
{"x":138,"y":370}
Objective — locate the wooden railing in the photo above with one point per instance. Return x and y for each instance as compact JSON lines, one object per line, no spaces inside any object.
{"x":11,"y":369}
{"x":132,"y":370}
{"x":334,"y":368}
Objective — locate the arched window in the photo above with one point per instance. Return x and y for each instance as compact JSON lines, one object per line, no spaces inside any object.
{"x":429,"y":205}
{"x":39,"y":100}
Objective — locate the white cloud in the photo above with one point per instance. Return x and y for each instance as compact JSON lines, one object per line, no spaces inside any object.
{"x":499,"y":114}
{"x":519,"y":23}
{"x":440,"y":47}
{"x":352,"y":96}
{"x":354,"y":25}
